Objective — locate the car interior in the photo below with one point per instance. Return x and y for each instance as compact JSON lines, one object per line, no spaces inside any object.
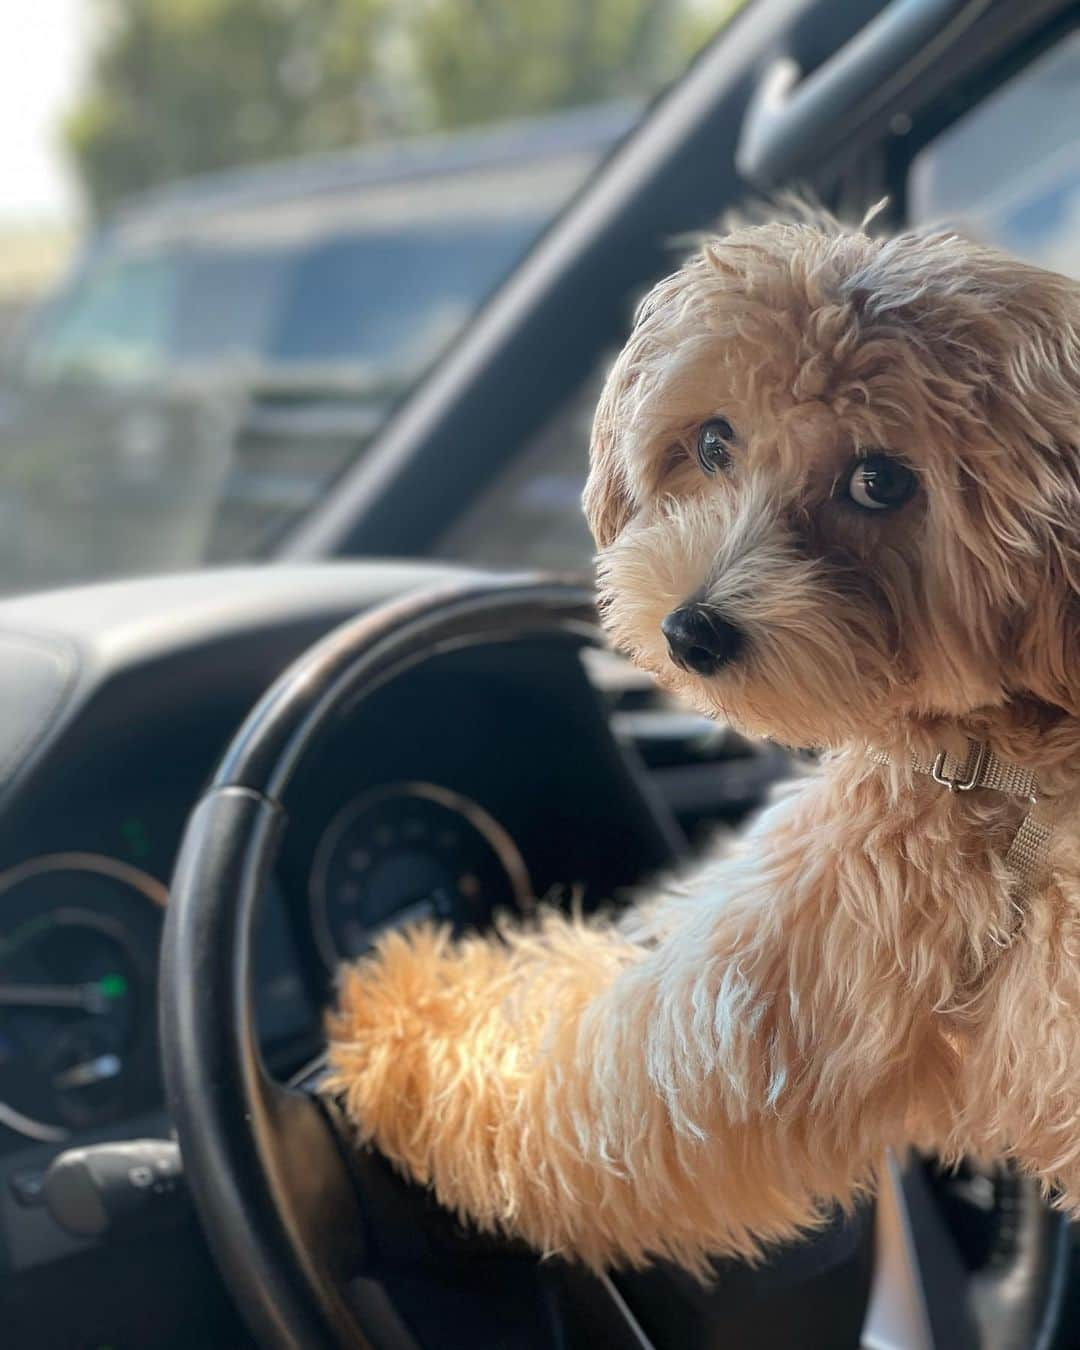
{"x":218,"y":782}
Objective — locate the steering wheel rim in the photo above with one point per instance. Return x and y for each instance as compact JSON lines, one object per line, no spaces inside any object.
{"x":286,"y":1238}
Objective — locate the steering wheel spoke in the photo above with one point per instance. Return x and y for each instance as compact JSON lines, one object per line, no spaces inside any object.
{"x":312,"y":1183}
{"x":402,"y":1227}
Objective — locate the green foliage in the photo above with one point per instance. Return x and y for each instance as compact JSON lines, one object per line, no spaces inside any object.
{"x":180,"y":87}
{"x":482,"y":59}
{"x":183,"y":86}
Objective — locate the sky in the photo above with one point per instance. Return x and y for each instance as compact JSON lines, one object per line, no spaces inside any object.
{"x":43,"y":51}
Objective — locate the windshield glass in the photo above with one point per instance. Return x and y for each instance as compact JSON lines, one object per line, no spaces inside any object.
{"x":264,"y":263}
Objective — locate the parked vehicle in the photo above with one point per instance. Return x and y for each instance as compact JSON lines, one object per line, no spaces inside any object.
{"x":226,"y":346}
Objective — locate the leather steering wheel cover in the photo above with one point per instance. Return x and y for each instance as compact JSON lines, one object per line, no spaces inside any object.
{"x":220,"y":1099}
{"x":213,"y":1076}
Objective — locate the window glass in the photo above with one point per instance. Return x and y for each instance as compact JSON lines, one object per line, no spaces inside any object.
{"x":1009,"y":172}
{"x":389,"y":301}
{"x":115,"y":327}
{"x":209,"y":371}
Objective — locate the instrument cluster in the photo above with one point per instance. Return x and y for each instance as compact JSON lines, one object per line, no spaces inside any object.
{"x":80,"y":931}
{"x":406,"y":852}
{"x":79,"y":934}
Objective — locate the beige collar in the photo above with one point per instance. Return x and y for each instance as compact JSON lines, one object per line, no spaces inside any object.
{"x":982,"y":768}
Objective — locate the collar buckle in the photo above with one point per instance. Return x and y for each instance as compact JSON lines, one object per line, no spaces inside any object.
{"x":976,"y":758}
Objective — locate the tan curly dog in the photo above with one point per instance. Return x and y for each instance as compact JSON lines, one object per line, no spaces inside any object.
{"x":835,"y":484}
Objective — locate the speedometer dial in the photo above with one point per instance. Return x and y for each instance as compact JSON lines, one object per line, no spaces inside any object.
{"x":78,"y":943}
{"x":405,"y":852}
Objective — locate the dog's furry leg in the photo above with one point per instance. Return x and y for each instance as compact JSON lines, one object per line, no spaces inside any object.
{"x":682,"y":1083}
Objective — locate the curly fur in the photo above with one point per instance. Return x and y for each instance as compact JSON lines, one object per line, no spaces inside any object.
{"x":708,"y":1070}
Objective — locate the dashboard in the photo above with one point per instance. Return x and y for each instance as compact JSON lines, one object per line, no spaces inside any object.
{"x":470,"y":786}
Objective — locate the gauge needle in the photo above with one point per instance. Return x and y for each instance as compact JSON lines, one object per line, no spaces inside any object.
{"x":88,"y":997}
{"x":89,"y":1072}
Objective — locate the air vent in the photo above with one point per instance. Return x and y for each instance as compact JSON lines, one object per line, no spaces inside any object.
{"x":705,"y":771}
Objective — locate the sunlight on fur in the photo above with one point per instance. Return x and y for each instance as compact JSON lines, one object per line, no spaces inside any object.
{"x":714,"y":1067}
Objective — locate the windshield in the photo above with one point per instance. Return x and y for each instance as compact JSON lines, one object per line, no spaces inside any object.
{"x":262,"y":267}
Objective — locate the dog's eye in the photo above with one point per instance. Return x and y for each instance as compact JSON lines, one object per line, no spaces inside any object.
{"x":879,"y":483}
{"x":714,"y":440}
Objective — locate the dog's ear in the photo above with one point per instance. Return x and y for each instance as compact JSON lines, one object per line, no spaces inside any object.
{"x":995,"y":344}
{"x":1033,"y":403}
{"x":1042,"y":638}
{"x":1043,"y":643}
{"x":607,"y":498}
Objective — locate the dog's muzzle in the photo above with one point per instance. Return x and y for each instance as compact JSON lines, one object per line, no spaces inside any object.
{"x":700,"y":640}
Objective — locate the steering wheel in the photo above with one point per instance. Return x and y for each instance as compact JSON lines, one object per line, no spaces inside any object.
{"x":291,"y":1211}
{"x":298,"y":1219}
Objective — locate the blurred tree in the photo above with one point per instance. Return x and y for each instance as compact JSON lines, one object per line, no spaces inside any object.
{"x":485,"y":59}
{"x":183,"y":86}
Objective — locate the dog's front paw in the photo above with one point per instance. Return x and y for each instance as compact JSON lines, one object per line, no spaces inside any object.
{"x":402,"y":1038}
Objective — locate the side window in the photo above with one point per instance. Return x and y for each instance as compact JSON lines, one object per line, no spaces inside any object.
{"x":1008,"y":173}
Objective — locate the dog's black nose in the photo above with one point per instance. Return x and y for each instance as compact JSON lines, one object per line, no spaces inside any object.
{"x":699,"y":639}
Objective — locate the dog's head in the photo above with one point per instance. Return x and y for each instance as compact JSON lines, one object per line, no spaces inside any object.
{"x":835,"y":482}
